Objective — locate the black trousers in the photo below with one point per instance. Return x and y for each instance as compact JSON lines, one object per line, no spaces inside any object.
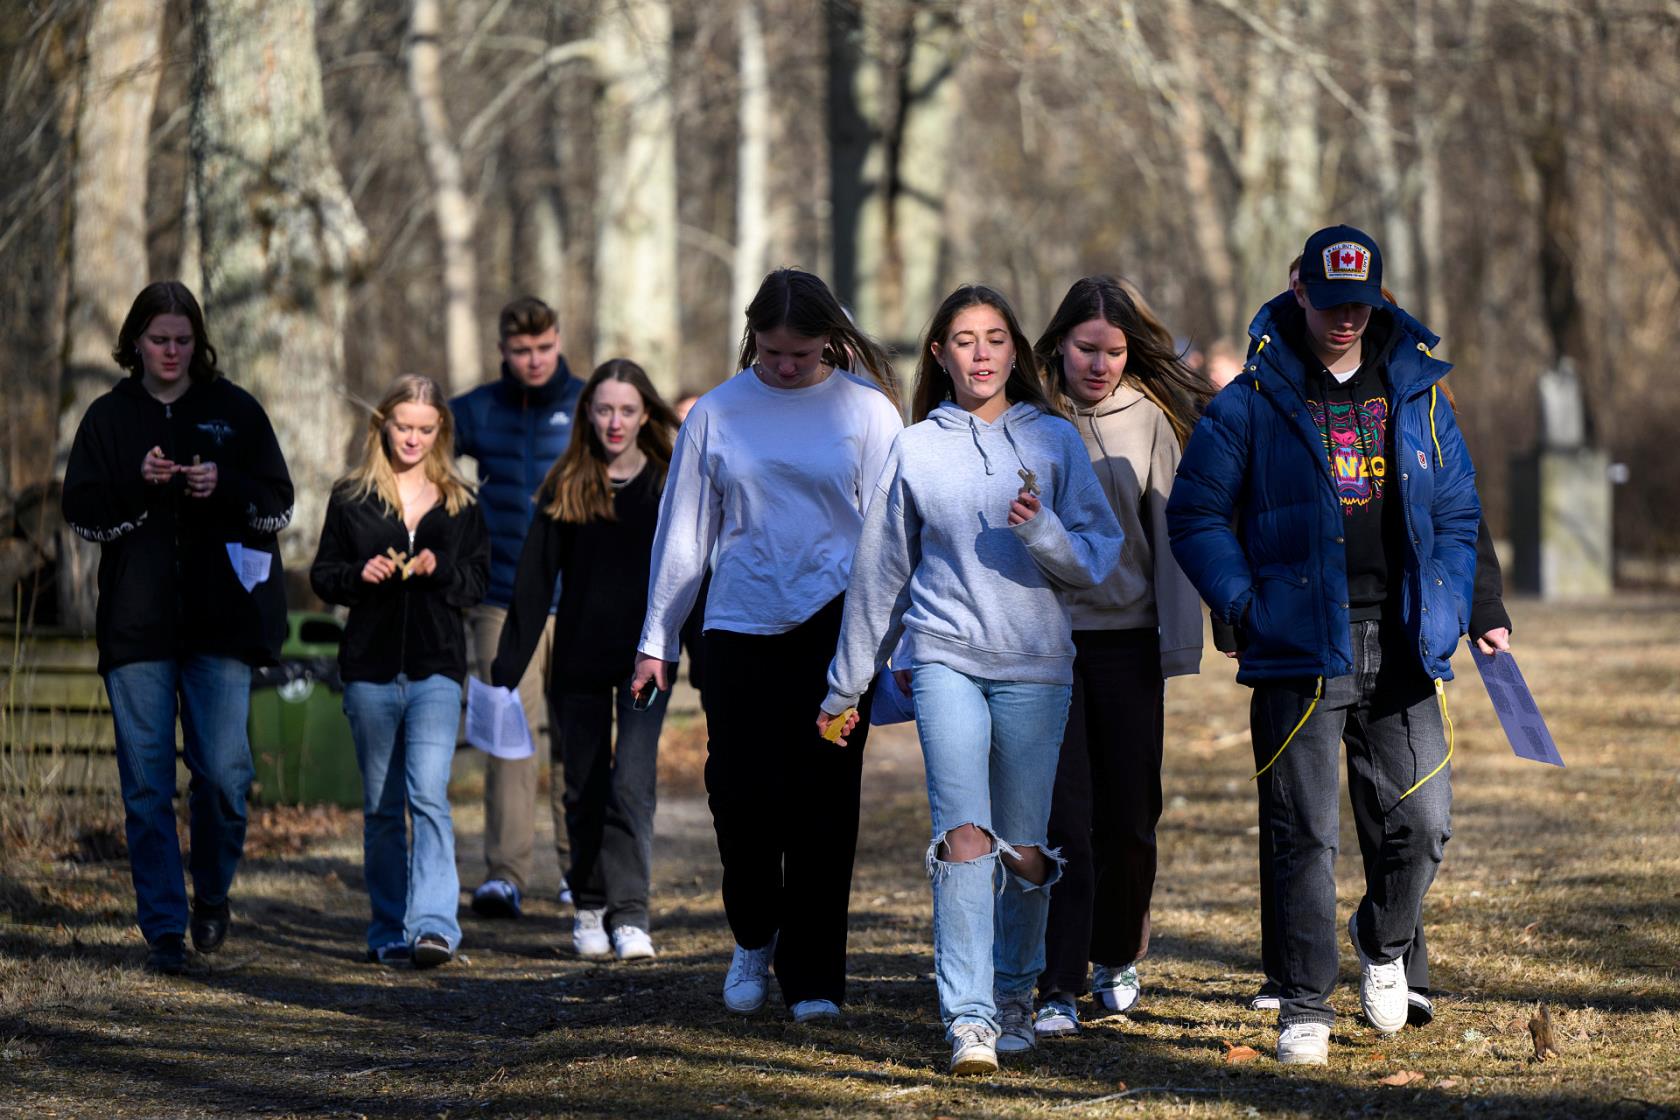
{"x":609,"y":798}
{"x":784,"y":801}
{"x":1105,"y":807}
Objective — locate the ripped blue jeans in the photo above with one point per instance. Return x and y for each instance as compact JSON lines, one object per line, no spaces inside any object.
{"x":990,"y":749}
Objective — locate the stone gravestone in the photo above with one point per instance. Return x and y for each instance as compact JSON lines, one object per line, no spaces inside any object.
{"x":1560,"y":500}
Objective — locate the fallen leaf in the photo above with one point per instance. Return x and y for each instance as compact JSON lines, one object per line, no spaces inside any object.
{"x":1447,"y":1083}
{"x":1402,"y":1078}
{"x":1375,"y":1057}
{"x":1239,"y":1054}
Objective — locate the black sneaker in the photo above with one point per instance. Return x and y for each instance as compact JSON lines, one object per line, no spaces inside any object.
{"x":431,"y":950}
{"x":167,"y":956}
{"x":209,"y":925}
{"x":395,"y":955}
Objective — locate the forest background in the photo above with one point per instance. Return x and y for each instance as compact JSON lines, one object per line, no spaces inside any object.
{"x":355,"y":187}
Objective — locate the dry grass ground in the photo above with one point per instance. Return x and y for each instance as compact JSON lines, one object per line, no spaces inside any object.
{"x":1558,"y":886}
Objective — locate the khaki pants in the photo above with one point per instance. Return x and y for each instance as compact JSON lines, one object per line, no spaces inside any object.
{"x":510,"y":785}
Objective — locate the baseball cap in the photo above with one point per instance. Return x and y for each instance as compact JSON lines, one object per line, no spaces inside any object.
{"x":1340,"y":265}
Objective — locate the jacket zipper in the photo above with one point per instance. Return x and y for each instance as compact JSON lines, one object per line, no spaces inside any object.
{"x":402,"y":648}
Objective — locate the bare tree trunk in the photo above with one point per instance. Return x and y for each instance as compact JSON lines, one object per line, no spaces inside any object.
{"x":753,"y":221}
{"x":451,"y":203}
{"x":1207,"y":222}
{"x":636,"y":202}
{"x":1399,"y":269}
{"x":108,"y":215}
{"x":280,"y":236}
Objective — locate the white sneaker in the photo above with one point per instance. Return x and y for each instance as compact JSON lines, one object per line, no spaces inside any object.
{"x":1115,"y":988}
{"x":1264,"y":1000}
{"x":815,"y":1010}
{"x":1304,"y":1044}
{"x":1058,"y":1018}
{"x":589,"y":936}
{"x":748,"y":979}
{"x":973,"y":1049}
{"x":1382,"y":987}
{"x":631,"y":943}
{"x":1015,"y":1022}
{"x":565,"y":895}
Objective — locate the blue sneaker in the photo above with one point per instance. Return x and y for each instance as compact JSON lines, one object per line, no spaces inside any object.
{"x":496,"y":898}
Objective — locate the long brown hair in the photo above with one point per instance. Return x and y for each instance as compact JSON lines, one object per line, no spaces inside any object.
{"x":1153,"y":364}
{"x":577,"y":482}
{"x":933,"y":383}
{"x":373,"y":475}
{"x":801,"y":302}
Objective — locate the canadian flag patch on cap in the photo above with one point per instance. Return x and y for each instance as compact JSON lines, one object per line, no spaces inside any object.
{"x":1347,"y":260}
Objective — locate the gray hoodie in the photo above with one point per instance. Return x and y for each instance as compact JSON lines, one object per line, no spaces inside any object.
{"x":1135,"y":455}
{"x":939,"y":558}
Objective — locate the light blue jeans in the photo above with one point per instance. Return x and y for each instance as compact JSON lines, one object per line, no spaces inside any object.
{"x":990,"y":748}
{"x":213,"y":698}
{"x":405,"y":742}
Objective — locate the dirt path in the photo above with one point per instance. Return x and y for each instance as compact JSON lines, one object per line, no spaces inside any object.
{"x":1559,"y":885}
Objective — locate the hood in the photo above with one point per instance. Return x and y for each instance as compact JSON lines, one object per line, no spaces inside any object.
{"x":951,"y":417}
{"x":1411,"y":366}
{"x":1124,"y":396}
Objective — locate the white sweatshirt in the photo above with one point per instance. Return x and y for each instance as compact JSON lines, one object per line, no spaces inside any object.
{"x":778,"y":480}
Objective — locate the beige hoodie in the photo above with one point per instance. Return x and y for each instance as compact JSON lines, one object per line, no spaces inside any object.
{"x":1135,"y":455}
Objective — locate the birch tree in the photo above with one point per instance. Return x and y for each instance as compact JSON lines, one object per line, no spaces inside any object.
{"x":452,"y":206}
{"x":107,"y":263}
{"x":636,"y":201}
{"x":279,"y":235}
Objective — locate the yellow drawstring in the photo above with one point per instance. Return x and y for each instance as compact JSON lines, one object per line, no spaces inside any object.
{"x":1318,"y":694}
{"x":1440,"y":460}
{"x":1441,"y":695}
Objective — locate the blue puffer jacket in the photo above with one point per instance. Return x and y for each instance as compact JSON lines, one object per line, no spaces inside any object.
{"x":515,"y":433}
{"x":1257,"y":526}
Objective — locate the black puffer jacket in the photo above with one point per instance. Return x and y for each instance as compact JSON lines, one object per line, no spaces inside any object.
{"x":168,"y":584}
{"x":411,"y":626}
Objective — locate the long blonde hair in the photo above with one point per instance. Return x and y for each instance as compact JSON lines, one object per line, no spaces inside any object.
{"x":577,"y":482}
{"x":373,"y":475}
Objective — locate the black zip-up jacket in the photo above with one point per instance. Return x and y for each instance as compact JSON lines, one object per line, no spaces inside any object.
{"x":168,"y":585}
{"x":411,"y":626}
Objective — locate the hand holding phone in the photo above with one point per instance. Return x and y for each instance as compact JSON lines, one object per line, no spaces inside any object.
{"x":647,"y":695}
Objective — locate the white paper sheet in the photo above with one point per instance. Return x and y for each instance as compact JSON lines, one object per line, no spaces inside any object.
{"x":496,"y":721}
{"x":250,"y":565}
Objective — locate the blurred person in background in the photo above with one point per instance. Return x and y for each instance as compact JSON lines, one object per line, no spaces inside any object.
{"x":515,"y":428}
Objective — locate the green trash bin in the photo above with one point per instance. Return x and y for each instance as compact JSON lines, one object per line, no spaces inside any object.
{"x":300,"y":737}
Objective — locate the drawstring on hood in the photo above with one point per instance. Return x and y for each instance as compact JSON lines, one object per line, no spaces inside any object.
{"x":951,"y":415}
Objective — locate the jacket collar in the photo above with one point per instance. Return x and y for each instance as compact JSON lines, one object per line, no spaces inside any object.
{"x":1274,"y":363}
{"x":551,"y":392}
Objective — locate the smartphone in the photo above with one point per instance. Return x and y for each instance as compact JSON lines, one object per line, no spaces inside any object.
{"x":648,"y":694}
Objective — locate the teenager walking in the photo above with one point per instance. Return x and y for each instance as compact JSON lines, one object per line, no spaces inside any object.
{"x":1490,"y":629}
{"x":1326,"y":508}
{"x":1112,"y":364}
{"x":177,"y":475}
{"x":776,"y":468}
{"x":987,"y":511}
{"x":405,"y":548}
{"x":515,"y":427}
{"x":597,"y":511}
